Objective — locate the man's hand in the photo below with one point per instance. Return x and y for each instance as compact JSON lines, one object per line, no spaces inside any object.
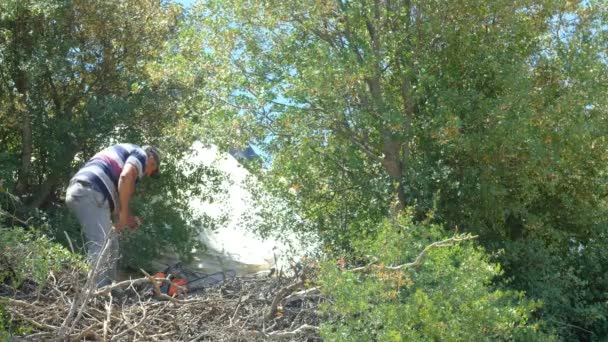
{"x":127,"y":221}
{"x":135,"y":223}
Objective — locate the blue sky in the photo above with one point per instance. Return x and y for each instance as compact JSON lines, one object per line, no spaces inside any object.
{"x":186,"y":3}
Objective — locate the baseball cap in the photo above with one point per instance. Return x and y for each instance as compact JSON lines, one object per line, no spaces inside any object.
{"x":155,"y":153}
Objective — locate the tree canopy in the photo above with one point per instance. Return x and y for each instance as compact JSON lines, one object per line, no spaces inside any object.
{"x":381,"y":126}
{"x":481,"y":109}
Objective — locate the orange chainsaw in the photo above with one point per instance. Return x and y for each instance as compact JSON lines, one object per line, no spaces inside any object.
{"x":172,"y":288}
{"x":192,"y":285}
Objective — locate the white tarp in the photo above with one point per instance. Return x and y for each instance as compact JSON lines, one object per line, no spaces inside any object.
{"x":234,"y":245}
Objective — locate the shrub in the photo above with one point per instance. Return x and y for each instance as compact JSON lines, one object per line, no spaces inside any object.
{"x":569,"y":278}
{"x":449,"y":297}
{"x":28,"y":256}
{"x":31,"y":255}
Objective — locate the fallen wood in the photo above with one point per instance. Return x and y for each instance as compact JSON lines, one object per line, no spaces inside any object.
{"x":234,"y":310}
{"x":291,"y":334}
{"x":279,"y":296}
{"x":313,"y":292}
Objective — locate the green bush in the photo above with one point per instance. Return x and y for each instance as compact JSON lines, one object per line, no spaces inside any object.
{"x":169,"y":223}
{"x":28,"y":255}
{"x":4,"y":325}
{"x":449,"y":297}
{"x":31,"y":255}
{"x":571,"y":279}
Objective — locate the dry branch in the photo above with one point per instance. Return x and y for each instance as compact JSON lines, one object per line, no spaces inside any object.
{"x":290,"y":334}
{"x":313,"y":292}
{"x":106,"y":323}
{"x":233,"y":310}
{"x":277,"y":299}
{"x":418,"y":261}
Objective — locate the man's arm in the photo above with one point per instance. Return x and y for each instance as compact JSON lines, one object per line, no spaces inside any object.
{"x":126,"y":187}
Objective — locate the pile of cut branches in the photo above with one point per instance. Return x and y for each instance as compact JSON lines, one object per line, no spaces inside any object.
{"x":241,"y":309}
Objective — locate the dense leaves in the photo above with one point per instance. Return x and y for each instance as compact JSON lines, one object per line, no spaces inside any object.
{"x":569,"y":278}
{"x":363,"y":106}
{"x":30,"y":255}
{"x":71,"y":78}
{"x":448,"y":296}
{"x":491,"y":115}
{"x":76,"y":77}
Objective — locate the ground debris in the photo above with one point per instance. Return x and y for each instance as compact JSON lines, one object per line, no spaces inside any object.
{"x":245,"y":308}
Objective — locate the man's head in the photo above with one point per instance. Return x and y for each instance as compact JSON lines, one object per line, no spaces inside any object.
{"x":153,"y":163}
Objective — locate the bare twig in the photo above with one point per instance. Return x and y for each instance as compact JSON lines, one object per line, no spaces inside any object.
{"x":84,"y":333}
{"x":293,"y":333}
{"x":238,"y":305}
{"x":106,"y":323}
{"x":277,"y":299}
{"x":104,"y":291}
{"x":308,"y":293}
{"x":204,"y":316}
{"x":88,"y":288}
{"x":69,"y":241}
{"x":15,"y":218}
{"x":144,"y":317}
{"x":418,"y":261}
{"x":35,"y":323}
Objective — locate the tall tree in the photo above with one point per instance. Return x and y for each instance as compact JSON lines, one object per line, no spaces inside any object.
{"x":490,"y":115}
{"x":77,"y":73}
{"x":370,"y":105}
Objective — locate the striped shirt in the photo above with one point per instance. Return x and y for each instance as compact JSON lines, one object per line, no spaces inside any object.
{"x":104,"y":169}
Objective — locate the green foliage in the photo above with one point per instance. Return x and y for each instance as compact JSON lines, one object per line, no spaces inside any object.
{"x":30,"y":255}
{"x":365,"y":106}
{"x":72,"y":84}
{"x":10,"y":328}
{"x":448,"y":297}
{"x":570,"y":278}
{"x":169,"y":224}
{"x":520,"y":148}
{"x":4,"y":324}
{"x":491,"y":113}
{"x":69,"y":77}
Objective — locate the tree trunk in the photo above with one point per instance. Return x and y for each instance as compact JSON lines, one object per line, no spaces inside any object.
{"x":391,"y":144}
{"x":21,"y":46}
{"x":54,"y":179}
{"x":25,"y":169}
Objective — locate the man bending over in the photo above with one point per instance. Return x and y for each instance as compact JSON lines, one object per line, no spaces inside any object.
{"x":105,"y":184}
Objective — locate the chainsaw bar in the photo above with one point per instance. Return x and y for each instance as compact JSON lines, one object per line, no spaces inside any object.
{"x":210,"y":280}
